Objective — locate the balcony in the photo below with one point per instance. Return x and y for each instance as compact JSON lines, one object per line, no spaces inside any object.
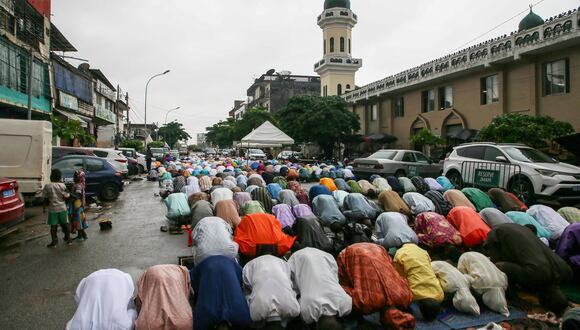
{"x":338,"y":62}
{"x":337,"y":15}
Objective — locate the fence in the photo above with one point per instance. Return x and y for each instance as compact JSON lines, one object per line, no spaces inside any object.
{"x":487,"y":175}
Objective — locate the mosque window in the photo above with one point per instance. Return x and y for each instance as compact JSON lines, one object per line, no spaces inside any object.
{"x":400,"y":107}
{"x":556,"y":77}
{"x":375,"y":112}
{"x":342,"y":44}
{"x":339,"y":89}
{"x":324,"y":46}
{"x":445,"y":97}
{"x":428,"y":101}
{"x":347,"y":87}
{"x":489,"y":90}
{"x":349,"y":47}
{"x":332,"y":45}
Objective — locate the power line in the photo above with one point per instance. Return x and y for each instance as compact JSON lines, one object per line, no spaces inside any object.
{"x":496,"y":27}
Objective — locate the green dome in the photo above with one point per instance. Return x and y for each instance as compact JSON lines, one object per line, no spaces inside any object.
{"x":336,"y":4}
{"x":530,"y":21}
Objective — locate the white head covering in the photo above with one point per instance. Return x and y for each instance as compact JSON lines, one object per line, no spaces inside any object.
{"x":105,"y":301}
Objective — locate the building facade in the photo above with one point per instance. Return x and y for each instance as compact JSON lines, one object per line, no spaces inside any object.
{"x":534,"y":71}
{"x":238,"y":110}
{"x":25,"y":35}
{"x":337,"y":68}
{"x":273,"y":90}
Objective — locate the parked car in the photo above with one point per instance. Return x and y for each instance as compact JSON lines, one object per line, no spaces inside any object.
{"x":142,"y":161}
{"x":11,"y":203}
{"x":103,"y":180}
{"x":256,"y":154}
{"x":210,"y":152}
{"x":157,"y":154}
{"x":398,"y":163}
{"x":525,"y":171}
{"x":289,"y":155}
{"x":58,"y":152}
{"x":115,"y":157}
{"x":132,"y":162}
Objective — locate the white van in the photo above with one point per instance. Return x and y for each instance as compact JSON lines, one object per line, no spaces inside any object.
{"x":25,"y":153}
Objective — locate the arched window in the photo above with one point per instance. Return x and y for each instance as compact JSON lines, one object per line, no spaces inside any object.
{"x":347,"y":87}
{"x":324,"y":46}
{"x":339,"y":89}
{"x":349,"y":48}
{"x":342,"y":44}
{"x":332,"y":45}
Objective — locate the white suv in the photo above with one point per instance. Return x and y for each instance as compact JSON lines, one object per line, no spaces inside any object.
{"x":115,"y":157}
{"x":525,"y":171}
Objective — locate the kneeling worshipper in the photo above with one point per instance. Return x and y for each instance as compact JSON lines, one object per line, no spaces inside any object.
{"x":288,"y":197}
{"x":104,"y":301}
{"x":283,"y":213}
{"x":469,"y":224}
{"x":326,"y":209}
{"x":485,"y":279}
{"x":524,"y":219}
{"x":219,"y":302}
{"x":163,"y":299}
{"x":269,"y":292}
{"x":213,"y":236}
{"x":407,"y":185}
{"x":453,"y":282}
{"x":392,"y":230}
{"x":309,"y":233}
{"x":418,"y":203}
{"x":569,"y":248}
{"x":358,"y":208}
{"x":200,"y":210}
{"x":259,"y":233}
{"x":263,"y":196}
{"x":494,"y":217}
{"x":414,"y":264}
{"x":434,"y":231}
{"x":549,"y":219}
{"x":503,"y":201}
{"x":321,"y":298}
{"x":390,"y":201}
{"x":478,"y":198}
{"x":571,"y":319}
{"x":227,"y":210}
{"x":529,"y":263}
{"x":457,"y":198}
{"x":367,"y":274}
{"x":571,"y":214}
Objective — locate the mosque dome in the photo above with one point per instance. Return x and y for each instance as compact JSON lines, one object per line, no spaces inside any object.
{"x":530,"y":21}
{"x":336,"y":4}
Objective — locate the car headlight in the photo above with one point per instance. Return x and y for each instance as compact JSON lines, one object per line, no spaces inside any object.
{"x":549,"y":172}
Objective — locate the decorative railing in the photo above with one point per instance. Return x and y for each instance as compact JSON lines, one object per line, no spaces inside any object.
{"x":554,"y":29}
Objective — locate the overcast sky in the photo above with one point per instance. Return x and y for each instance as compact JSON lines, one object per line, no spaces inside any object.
{"x":215,"y":48}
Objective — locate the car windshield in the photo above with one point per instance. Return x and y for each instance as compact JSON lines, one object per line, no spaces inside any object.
{"x":529,"y":155}
{"x":256,"y":151}
{"x":383,"y":155}
{"x":157,"y":150}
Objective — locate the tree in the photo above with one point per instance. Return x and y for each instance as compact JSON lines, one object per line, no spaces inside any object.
{"x":173,"y":133}
{"x":220,"y":134}
{"x":135,"y":144}
{"x":324,"y":120}
{"x":424,"y":138}
{"x":534,"y":131}
{"x":155,"y":144}
{"x":251,"y":120}
{"x":71,"y":130}
{"x":193,"y":148}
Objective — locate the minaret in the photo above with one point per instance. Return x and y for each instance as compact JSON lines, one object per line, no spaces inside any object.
{"x":337,"y":69}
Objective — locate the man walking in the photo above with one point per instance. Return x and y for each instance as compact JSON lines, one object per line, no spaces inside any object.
{"x":148,"y":158}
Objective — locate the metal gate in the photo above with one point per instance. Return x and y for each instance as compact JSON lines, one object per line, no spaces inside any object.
{"x":487,"y":175}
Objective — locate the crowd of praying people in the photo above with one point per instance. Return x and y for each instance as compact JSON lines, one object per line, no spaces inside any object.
{"x":269,"y":253}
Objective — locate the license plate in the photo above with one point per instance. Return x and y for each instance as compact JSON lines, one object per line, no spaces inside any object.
{"x":576,"y":188}
{"x":8,"y":193}
{"x":367,"y":166}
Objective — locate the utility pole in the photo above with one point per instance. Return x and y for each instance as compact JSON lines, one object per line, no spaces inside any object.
{"x":128,"y":108}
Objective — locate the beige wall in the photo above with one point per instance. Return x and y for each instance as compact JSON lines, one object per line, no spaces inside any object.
{"x":520,"y":90}
{"x":331,"y":80}
{"x":336,"y":32}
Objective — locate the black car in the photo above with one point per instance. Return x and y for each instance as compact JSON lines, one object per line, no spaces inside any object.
{"x":102,"y":180}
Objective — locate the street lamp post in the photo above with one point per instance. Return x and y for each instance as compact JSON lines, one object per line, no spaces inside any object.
{"x":170,"y":111}
{"x":146,"y":89}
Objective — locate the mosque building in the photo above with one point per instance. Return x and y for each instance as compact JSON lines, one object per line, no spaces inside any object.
{"x":534,"y":70}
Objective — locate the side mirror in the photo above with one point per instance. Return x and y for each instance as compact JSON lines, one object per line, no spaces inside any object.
{"x":501,"y":159}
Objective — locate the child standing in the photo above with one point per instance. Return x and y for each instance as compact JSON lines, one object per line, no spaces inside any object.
{"x":77,"y":205}
{"x":55,"y":195}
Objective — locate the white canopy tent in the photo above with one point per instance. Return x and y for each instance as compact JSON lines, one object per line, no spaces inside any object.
{"x":266,"y":136}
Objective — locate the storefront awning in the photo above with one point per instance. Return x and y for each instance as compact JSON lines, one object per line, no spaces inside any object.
{"x":72,"y":116}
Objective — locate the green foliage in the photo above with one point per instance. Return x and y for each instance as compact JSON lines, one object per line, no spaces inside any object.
{"x":156,"y":144}
{"x":224,"y":133}
{"x":425,"y":138}
{"x":70,"y":130}
{"x":135,"y":144}
{"x":534,"y":131}
{"x":324,"y":120}
{"x":173,"y":133}
{"x":194,"y":148}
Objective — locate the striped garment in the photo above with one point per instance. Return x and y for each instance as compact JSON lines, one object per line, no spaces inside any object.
{"x":263,"y":196}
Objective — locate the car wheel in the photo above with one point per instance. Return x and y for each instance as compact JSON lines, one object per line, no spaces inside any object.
{"x":400,"y":173}
{"x":456,"y":179}
{"x":524,"y":190}
{"x":109,"y":193}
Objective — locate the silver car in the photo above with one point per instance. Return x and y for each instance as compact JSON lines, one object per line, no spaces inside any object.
{"x":398,"y":163}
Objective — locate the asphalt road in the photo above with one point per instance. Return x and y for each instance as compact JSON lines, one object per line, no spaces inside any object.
{"x":37,"y":284}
